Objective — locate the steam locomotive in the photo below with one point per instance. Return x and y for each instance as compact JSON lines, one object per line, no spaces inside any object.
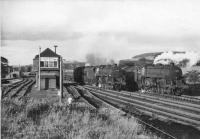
{"x":103,"y":76}
{"x":165,"y":79}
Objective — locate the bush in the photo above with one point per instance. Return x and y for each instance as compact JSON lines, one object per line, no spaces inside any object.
{"x":45,"y":119}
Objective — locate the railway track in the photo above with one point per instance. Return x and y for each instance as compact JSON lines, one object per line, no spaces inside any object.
{"x":78,"y":96}
{"x":12,"y":86}
{"x":26,"y":89}
{"x":182,"y":98}
{"x":19,"y":89}
{"x":184,"y":112}
{"x":106,"y":104}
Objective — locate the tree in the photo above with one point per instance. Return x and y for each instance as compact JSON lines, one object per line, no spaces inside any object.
{"x":29,"y":68}
{"x":193,"y":76}
{"x":183,"y":63}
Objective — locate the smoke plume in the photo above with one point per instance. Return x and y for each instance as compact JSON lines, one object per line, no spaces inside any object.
{"x":179,"y":58}
{"x":96,"y":59}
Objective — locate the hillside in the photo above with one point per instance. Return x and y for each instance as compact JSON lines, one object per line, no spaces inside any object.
{"x":149,"y":56}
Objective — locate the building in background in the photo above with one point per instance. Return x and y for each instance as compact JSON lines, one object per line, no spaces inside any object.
{"x":68,"y":69}
{"x":49,"y":67}
{"x":4,"y":67}
{"x":15,"y":72}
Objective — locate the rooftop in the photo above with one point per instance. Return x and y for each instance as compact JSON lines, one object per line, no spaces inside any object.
{"x":47,"y":53}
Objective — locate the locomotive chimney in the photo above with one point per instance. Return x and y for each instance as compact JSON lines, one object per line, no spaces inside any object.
{"x":55,"y":47}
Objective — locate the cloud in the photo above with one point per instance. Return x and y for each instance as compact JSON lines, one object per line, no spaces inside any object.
{"x":109,"y":45}
{"x":55,"y":19}
{"x":114,"y":29}
{"x":39,"y":35}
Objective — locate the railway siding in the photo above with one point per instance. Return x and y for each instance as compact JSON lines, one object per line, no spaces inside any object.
{"x":158,"y":99}
{"x":107,"y":104}
{"x":183,"y":116}
{"x":163,"y":102}
{"x":26,"y":89}
{"x":78,"y":97}
{"x":155,"y":106}
{"x":82,"y":97}
{"x":19,"y":89}
{"x":12,"y":86}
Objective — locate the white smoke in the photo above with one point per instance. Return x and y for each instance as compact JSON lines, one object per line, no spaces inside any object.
{"x":188,"y":58}
{"x":97,"y":59}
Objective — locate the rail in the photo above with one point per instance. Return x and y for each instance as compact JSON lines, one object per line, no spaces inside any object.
{"x":152,"y":108}
{"x":121,"y":111}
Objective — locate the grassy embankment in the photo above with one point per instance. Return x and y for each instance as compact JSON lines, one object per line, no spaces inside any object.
{"x":43,"y":118}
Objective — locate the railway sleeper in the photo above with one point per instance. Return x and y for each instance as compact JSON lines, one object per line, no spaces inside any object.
{"x":166,"y":100}
{"x":183,"y":105}
{"x":161,"y":114}
{"x":172,"y":104}
{"x":28,"y":89}
{"x":13,"y":87}
{"x":172,"y":97}
{"x":104,"y":103}
{"x":165,"y":118}
{"x":20,"y":88}
{"x":154,"y":105}
{"x":76,"y":94}
{"x":158,"y":101}
{"x":171,"y":111}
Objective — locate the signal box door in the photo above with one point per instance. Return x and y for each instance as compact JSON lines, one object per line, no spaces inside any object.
{"x":46,"y":83}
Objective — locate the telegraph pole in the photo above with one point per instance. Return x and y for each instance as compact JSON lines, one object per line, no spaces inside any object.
{"x":39,"y":70}
{"x":61,"y":80}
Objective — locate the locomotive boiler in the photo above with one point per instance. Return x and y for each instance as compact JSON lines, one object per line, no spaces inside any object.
{"x":103,"y":76}
{"x":110,"y":77}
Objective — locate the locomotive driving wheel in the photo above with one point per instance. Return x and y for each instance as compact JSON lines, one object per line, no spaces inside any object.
{"x":178,"y":92}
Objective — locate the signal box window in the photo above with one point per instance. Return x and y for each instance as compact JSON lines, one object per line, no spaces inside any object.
{"x":55,"y":64}
{"x":49,"y":63}
{"x":42,"y":63}
{"x":46,"y":64}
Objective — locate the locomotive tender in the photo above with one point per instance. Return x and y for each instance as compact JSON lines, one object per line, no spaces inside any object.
{"x":164,"y":79}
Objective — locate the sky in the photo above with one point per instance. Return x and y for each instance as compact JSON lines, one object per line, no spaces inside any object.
{"x":114,"y":29}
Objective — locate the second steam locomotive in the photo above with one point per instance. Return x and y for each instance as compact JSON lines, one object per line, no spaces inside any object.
{"x":164,"y":79}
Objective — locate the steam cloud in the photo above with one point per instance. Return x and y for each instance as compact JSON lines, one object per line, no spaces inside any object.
{"x":178,"y":58}
{"x":96,"y":59}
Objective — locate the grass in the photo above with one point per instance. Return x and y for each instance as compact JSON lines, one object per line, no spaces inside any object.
{"x":42,"y":118}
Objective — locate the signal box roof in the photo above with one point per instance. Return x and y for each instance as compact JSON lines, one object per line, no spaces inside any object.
{"x":47,"y":53}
